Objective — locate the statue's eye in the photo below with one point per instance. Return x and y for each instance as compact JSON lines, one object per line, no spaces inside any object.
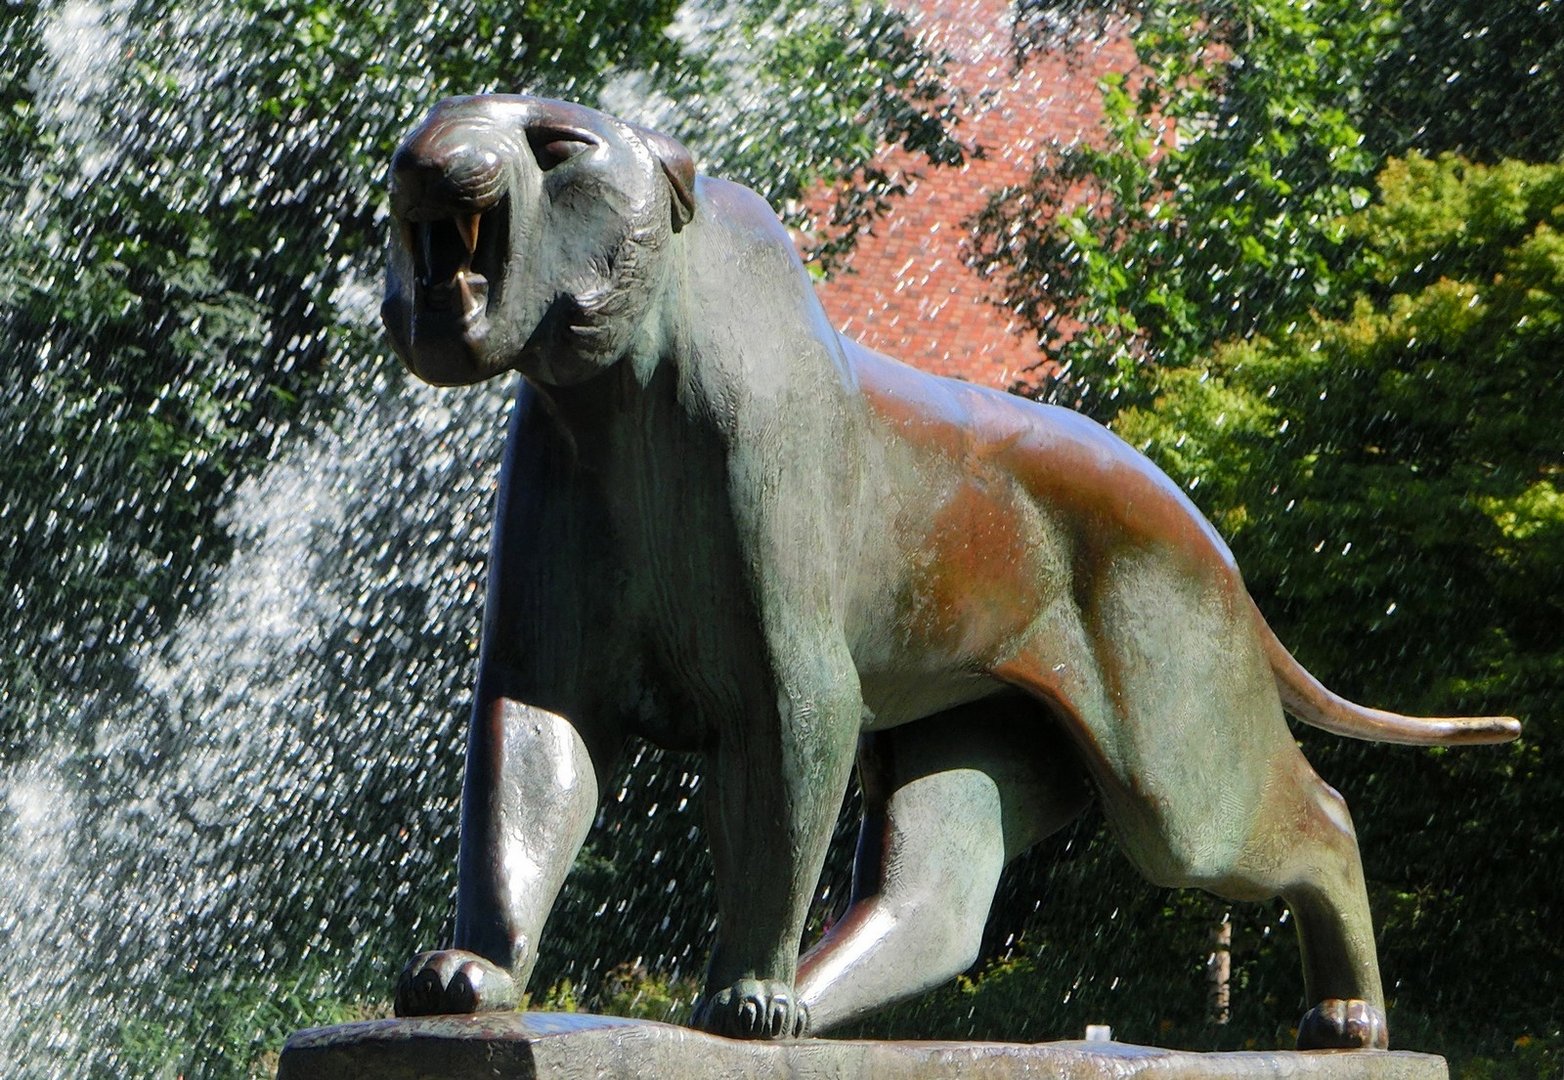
{"x":555,"y":146}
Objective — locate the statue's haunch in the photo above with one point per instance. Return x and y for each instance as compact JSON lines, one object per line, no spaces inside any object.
{"x":726,"y":528}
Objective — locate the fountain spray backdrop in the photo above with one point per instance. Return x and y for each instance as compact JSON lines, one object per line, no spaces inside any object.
{"x":243,"y":551}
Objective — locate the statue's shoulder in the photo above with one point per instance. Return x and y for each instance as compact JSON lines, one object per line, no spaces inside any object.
{"x":728,"y":206}
{"x":729,"y":198}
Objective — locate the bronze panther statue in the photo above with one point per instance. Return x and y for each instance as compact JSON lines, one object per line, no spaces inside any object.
{"x":726,"y":528}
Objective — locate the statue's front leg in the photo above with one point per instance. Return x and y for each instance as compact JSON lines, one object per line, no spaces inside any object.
{"x":528,"y":798}
{"x":778,"y":778}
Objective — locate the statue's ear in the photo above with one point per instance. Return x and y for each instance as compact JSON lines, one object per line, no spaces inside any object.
{"x":678,"y":167}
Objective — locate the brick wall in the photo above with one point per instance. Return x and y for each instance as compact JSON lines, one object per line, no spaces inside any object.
{"x":906,"y":289}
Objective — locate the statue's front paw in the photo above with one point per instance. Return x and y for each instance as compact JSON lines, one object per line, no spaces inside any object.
{"x":453,"y":981}
{"x":1336,"y":1024}
{"x":754,"y":1009}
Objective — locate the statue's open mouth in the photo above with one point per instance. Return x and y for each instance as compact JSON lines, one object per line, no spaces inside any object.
{"x":458,"y":262}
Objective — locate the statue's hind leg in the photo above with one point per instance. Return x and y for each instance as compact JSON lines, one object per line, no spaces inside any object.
{"x":1202,"y":781}
{"x":1298,"y":844}
{"x":1322,"y":884}
{"x":1303,"y":849}
{"x":947,"y":801}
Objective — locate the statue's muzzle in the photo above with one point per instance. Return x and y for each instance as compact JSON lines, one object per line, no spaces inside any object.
{"x":448,"y":195}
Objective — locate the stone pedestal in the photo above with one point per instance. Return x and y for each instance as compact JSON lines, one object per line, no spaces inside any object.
{"x":575,"y":1046}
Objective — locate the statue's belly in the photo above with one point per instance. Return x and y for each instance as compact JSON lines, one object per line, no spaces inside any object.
{"x":899,"y":697}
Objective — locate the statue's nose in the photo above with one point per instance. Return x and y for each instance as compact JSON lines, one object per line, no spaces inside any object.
{"x":444,"y":171}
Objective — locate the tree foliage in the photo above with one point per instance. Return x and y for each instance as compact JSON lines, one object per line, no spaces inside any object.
{"x":1478,"y":77}
{"x":1392,"y":481}
{"x":1211,"y":205}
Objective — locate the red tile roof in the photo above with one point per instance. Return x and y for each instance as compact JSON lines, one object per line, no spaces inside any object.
{"x":906,"y":289}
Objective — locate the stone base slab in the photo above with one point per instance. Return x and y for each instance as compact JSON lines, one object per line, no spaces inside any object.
{"x":576,"y":1046}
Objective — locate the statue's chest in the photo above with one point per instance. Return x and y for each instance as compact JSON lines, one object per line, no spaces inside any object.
{"x":683,"y":572}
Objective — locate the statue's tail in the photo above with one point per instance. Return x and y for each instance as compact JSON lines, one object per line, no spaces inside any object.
{"x":1310,"y":701}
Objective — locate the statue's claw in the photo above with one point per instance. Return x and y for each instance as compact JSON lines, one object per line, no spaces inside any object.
{"x":754,"y":1009}
{"x":453,"y":981}
{"x":1336,"y":1024}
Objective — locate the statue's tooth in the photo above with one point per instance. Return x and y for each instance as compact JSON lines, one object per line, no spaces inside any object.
{"x":468,"y":303}
{"x":467,"y":227}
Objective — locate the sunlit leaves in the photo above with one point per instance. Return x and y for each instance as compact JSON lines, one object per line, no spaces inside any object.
{"x":1209,"y":206}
